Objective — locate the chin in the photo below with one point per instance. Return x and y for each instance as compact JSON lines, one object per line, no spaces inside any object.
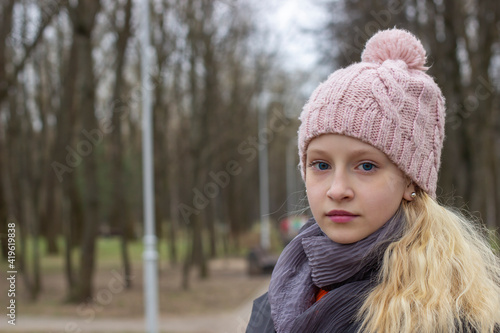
{"x":343,"y":239}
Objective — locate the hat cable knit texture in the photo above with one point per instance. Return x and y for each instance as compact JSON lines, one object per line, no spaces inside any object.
{"x":387,"y":101}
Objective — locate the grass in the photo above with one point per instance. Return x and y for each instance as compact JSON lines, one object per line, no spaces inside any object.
{"x":108,"y":248}
{"x":226,"y":288}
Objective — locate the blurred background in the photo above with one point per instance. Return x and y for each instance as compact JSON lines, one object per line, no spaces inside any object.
{"x":228,"y":80}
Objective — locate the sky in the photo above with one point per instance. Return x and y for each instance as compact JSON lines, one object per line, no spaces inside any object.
{"x":289,"y":19}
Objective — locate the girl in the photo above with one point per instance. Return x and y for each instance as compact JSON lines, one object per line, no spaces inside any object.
{"x":380,"y":255}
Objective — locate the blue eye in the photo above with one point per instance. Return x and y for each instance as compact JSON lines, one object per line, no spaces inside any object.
{"x":367,"y":166}
{"x":320,"y":166}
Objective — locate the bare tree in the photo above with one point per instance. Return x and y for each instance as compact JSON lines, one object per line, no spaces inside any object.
{"x":56,"y":155}
{"x":120,"y":215}
{"x":83,"y":17}
{"x":21,"y":178}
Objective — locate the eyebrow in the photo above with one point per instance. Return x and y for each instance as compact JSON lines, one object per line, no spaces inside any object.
{"x":356,"y":152}
{"x":364,"y":151}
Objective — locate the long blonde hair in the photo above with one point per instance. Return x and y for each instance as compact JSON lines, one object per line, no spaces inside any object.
{"x":441,"y":276}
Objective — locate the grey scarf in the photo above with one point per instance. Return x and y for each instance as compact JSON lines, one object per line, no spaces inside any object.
{"x":312,"y":261}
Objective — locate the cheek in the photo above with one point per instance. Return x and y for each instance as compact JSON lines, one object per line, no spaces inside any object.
{"x":311,"y":193}
{"x":315,"y":194}
{"x":385,"y":194}
{"x":379,"y":208}
{"x":392,"y":184}
{"x":313,"y":185}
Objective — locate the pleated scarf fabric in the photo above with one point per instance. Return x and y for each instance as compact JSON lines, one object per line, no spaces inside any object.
{"x":312,"y":261}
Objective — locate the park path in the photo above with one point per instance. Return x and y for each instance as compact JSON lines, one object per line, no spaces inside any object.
{"x":231,"y":322}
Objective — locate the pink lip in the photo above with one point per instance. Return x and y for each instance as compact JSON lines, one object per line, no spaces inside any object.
{"x":341,"y":216}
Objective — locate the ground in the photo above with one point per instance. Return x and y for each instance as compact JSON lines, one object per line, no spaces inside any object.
{"x":219,"y":304}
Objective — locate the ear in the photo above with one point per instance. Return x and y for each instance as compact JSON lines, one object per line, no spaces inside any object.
{"x":410,"y":188}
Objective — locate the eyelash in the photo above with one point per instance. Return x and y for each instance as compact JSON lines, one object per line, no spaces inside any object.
{"x":373,"y":168}
{"x":314,"y":164}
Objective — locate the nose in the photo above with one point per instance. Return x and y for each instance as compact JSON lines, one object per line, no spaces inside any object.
{"x":340,"y":187}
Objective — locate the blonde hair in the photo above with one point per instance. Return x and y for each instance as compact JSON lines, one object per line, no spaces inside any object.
{"x":441,"y":276}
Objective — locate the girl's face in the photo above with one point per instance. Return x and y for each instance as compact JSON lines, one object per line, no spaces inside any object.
{"x":352,"y":187}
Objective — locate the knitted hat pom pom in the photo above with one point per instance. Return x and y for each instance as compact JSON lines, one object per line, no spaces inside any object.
{"x":395,"y":44}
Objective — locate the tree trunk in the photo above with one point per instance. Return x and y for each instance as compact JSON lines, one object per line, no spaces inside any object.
{"x":28,"y":213}
{"x":68,"y":262}
{"x":120,"y":214}
{"x":199,"y":257}
{"x":174,"y":149}
{"x":174,"y":214}
{"x":5,"y":205}
{"x":62,"y":176}
{"x":454,"y":184}
{"x":188,"y":261}
{"x":212,"y":232}
{"x":3,"y":221}
{"x":83,"y":17}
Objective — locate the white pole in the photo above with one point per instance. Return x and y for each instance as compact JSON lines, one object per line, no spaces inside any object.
{"x":150,"y":254}
{"x":265,"y":241}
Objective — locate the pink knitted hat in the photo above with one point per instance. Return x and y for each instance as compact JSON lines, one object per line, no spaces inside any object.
{"x":388,"y":101}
